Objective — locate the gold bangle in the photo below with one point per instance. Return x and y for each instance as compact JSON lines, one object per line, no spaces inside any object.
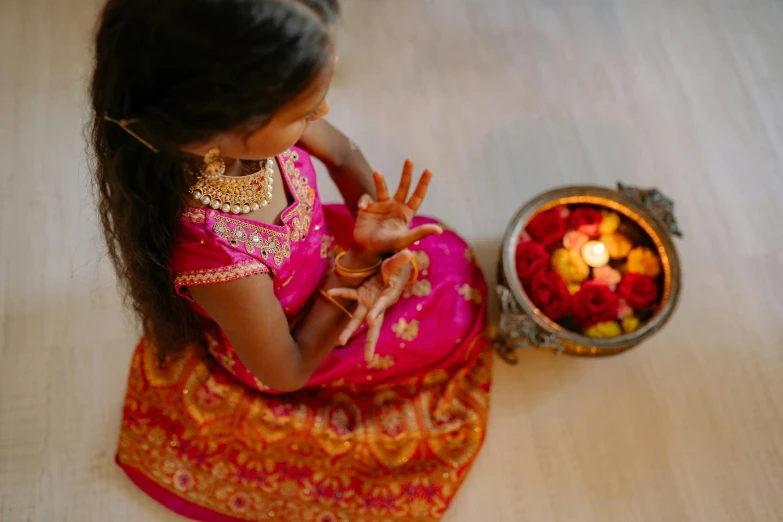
{"x":353,"y":273}
{"x":335,"y":303}
{"x":414,"y":273}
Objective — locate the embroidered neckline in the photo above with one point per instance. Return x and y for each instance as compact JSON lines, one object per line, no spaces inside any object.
{"x":292,"y":216}
{"x":271,"y":242}
{"x":296,"y":218}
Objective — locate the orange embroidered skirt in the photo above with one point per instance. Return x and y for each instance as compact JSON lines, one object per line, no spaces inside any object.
{"x":212,"y":449}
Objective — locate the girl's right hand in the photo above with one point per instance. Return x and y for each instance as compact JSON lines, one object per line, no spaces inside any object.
{"x":374,"y":297}
{"x":383,"y":226}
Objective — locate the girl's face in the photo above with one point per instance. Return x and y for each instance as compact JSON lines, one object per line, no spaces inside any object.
{"x":281,"y":132}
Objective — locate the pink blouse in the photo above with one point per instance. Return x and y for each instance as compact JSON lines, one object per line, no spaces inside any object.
{"x":436,"y":323}
{"x":214,"y":247}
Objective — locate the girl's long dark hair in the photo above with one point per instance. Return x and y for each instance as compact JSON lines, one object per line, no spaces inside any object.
{"x":183,"y":71}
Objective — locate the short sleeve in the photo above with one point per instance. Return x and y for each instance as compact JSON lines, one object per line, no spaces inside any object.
{"x":198,"y":259}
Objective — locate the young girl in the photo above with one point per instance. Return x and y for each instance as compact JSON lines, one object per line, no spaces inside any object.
{"x":299,"y":362}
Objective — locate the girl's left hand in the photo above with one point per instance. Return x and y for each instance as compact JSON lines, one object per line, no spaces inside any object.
{"x":383,"y":226}
{"x":375,"y":296}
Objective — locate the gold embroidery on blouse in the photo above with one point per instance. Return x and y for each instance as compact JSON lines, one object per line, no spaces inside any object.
{"x":193,"y":215}
{"x":219,"y":275}
{"x":300,"y":223}
{"x":279,"y":248}
{"x":304,"y":195}
{"x":405,"y":330}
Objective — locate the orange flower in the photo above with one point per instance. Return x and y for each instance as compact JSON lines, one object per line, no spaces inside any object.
{"x":617,"y":244}
{"x":642,"y":260}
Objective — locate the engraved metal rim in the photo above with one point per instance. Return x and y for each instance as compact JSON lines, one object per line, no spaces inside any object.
{"x":615,"y":200}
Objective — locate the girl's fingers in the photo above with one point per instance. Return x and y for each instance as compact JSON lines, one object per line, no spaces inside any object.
{"x":378,"y":309}
{"x":394,"y":264}
{"x":344,"y":293}
{"x":365,"y":201}
{"x":380,"y":187}
{"x":421,"y":190}
{"x":373,"y":334}
{"x":353,"y":325}
{"x":419,"y":233}
{"x":405,"y":181}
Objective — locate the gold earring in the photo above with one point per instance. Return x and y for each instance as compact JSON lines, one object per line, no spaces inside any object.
{"x":213,"y":166}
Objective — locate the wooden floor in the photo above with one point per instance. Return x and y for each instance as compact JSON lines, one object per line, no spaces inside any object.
{"x":502,"y":99}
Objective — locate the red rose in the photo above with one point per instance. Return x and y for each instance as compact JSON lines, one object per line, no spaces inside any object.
{"x":550,"y":294}
{"x":639,"y":291}
{"x":532,"y":258}
{"x":548,"y":227}
{"x":586,"y":220}
{"x":594,"y":303}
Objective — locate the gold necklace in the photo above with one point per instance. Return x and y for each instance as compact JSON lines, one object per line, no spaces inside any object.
{"x":234,"y":194}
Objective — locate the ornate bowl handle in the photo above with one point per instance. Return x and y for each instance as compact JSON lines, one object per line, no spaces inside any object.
{"x":516,"y":330}
{"x":656,"y":202}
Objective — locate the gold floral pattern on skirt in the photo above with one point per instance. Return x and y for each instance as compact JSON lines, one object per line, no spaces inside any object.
{"x":470,"y":294}
{"x":421,"y":288}
{"x":407,"y":331}
{"x":380,"y":362}
{"x":397,"y":453}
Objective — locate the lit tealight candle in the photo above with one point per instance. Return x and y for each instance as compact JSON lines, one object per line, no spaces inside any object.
{"x":595,"y":254}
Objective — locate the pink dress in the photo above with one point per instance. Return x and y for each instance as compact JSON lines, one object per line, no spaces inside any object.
{"x":387,"y":440}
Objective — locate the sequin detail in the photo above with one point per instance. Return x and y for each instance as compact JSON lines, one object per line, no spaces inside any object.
{"x":253,"y":238}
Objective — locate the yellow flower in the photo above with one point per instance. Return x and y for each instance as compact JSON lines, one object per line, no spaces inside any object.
{"x":630,"y":323}
{"x":573,"y":288}
{"x":642,"y":260}
{"x":610,"y":222}
{"x":570,"y":266}
{"x":617,"y":244}
{"x":605,"y":330}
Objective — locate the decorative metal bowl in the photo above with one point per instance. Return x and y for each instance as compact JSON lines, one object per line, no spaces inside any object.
{"x":523,"y":325}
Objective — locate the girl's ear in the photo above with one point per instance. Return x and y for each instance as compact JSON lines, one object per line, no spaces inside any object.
{"x":200,"y":148}
{"x":197,"y":149}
